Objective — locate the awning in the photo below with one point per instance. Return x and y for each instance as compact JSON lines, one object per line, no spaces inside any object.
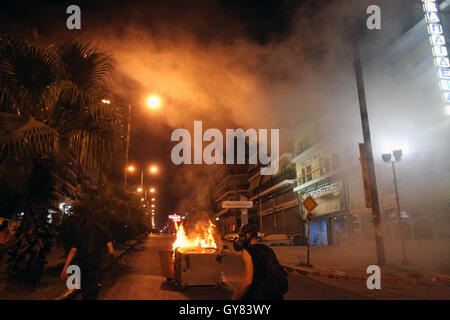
{"x":273,"y":188}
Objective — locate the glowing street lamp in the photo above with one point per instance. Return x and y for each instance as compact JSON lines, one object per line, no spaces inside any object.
{"x":153,"y":169}
{"x":153,"y":102}
{"x":153,"y":199}
{"x":153,"y":205}
{"x":139,"y":189}
{"x":130,"y":169}
{"x":152,"y":190}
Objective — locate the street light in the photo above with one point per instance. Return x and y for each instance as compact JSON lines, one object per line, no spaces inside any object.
{"x":152,"y":190}
{"x":153,"y":169}
{"x":153,"y":102}
{"x":387,"y":158}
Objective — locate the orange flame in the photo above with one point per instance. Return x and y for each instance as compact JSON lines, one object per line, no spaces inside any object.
{"x":200,"y":239}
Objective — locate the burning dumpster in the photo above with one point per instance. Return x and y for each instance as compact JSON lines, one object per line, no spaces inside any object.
{"x":198,"y":267}
{"x":194,"y":260}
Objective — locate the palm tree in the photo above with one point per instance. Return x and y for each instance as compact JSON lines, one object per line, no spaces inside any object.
{"x":50,"y":107}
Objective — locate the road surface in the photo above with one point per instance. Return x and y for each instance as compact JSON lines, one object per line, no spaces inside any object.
{"x":138,"y":277}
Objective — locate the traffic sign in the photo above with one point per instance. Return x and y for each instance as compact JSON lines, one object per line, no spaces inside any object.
{"x":237,"y":204}
{"x":309,"y":203}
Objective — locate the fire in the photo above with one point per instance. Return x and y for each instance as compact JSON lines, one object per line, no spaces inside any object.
{"x":199,"y":239}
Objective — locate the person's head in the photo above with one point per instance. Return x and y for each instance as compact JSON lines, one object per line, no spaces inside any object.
{"x":96,"y":218}
{"x":250,"y":231}
{"x":247,"y":233}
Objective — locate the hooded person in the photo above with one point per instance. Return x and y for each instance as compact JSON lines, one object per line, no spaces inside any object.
{"x":264,"y":278}
{"x":89,"y":245}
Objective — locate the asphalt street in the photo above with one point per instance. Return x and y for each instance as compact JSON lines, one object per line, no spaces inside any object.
{"x":138,"y":277}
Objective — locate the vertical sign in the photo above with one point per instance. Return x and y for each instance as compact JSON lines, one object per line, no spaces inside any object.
{"x":365,"y":175}
{"x":438,"y":48}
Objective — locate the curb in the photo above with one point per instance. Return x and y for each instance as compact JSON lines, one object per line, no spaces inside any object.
{"x":344,"y":276}
{"x":72,"y":293}
{"x":410,"y":278}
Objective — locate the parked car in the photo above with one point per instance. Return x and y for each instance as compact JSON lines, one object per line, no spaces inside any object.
{"x":276,"y":239}
{"x":231,"y":236}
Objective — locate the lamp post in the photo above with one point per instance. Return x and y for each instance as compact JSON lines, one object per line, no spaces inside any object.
{"x":153,"y":102}
{"x":397,"y":157}
{"x":127,"y":148}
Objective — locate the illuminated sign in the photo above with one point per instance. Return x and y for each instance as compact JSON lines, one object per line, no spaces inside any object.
{"x":438,"y":48}
{"x":175,"y":217}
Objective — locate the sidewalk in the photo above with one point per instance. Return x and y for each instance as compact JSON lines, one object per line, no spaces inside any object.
{"x":51,"y":286}
{"x":429,"y":260}
{"x":56,"y":257}
{"x":120,"y":250}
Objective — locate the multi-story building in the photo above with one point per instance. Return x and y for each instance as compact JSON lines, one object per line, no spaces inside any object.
{"x":232,"y":186}
{"x":275,"y":203}
{"x":406,"y":111}
{"x":321,"y":161}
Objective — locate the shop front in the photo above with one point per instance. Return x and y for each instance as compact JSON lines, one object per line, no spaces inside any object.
{"x":329,"y":225}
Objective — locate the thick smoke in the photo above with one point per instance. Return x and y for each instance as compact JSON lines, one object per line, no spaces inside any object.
{"x":228,"y":80}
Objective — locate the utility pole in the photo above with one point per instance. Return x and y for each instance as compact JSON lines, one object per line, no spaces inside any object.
{"x":376,"y":218}
{"x":127,"y":147}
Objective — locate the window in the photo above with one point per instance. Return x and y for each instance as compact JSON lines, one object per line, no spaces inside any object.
{"x":303,"y":175}
{"x":324,"y":165}
{"x":308,"y":173}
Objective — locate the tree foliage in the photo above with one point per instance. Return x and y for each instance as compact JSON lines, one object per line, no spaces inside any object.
{"x":31,"y":243}
{"x":51,"y":102}
{"x":123,"y":210}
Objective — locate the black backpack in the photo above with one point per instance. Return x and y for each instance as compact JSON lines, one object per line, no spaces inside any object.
{"x":277,"y":276}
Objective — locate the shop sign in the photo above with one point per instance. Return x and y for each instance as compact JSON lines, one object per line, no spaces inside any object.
{"x":333,"y":188}
{"x":438,"y":48}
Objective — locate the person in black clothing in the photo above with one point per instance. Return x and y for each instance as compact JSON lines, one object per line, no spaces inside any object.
{"x":89,"y":243}
{"x":256,"y":282}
